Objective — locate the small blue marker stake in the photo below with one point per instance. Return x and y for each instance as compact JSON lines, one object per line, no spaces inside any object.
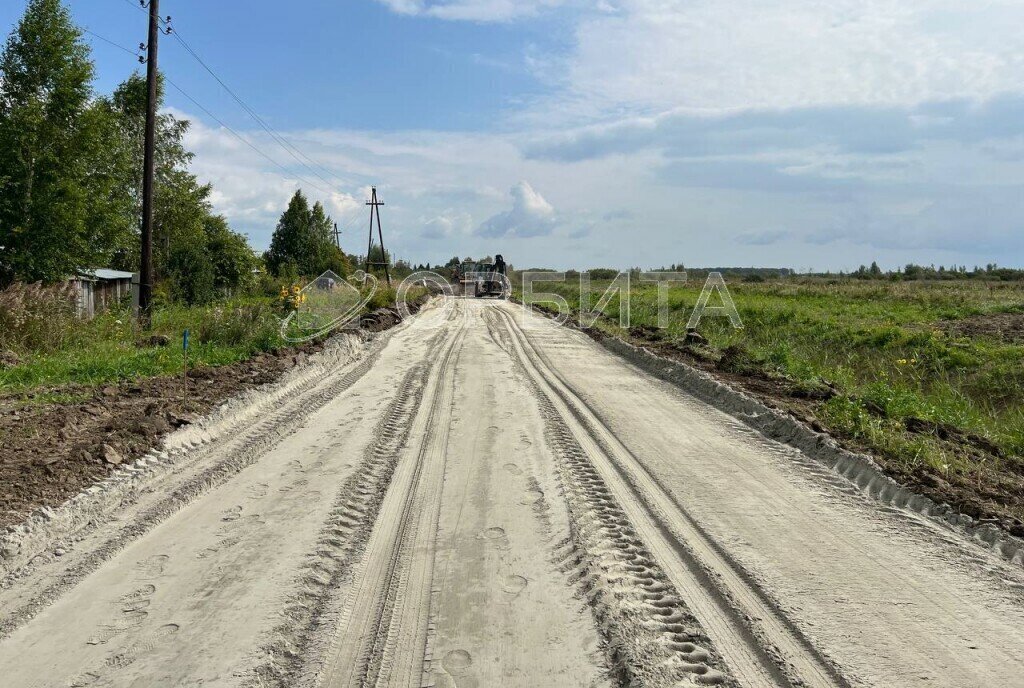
{"x":184,"y":370}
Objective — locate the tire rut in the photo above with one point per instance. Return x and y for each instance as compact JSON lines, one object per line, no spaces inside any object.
{"x":383,"y":637}
{"x":227,"y":456}
{"x":652,"y":638}
{"x":293,"y":655}
{"x":764,"y":647}
{"x":341,"y":541}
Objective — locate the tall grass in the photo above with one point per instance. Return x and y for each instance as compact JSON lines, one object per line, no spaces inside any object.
{"x":53,"y":347}
{"x":39,"y":330}
{"x":37,"y":318}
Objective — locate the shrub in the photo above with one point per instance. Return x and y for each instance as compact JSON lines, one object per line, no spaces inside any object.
{"x":191,"y":275}
{"x":234,"y":325}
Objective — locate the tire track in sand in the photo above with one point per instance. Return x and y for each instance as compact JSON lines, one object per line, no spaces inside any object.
{"x":201,"y":470}
{"x":760,"y":646}
{"x":651,"y":637}
{"x":383,"y":636}
{"x":288,"y":654}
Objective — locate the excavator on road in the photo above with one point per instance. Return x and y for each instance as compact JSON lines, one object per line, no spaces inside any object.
{"x":486,"y":277}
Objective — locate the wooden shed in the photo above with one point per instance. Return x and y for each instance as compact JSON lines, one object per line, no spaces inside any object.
{"x":98,"y":289}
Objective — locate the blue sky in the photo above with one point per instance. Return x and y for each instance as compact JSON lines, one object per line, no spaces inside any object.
{"x":802,"y":133}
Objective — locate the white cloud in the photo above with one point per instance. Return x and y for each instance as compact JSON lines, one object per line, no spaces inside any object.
{"x":791,"y":188}
{"x":343,"y":204}
{"x":471,"y":10}
{"x":249,"y":190}
{"x":530,"y":215}
{"x":654,"y":55}
{"x":449,"y":224}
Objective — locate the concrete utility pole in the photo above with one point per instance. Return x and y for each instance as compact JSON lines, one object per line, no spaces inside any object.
{"x":149,"y":162}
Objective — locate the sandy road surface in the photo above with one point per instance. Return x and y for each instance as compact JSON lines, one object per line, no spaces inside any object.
{"x":482,"y":498}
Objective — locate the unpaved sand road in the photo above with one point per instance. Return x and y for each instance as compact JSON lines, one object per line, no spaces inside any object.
{"x":483,"y":498}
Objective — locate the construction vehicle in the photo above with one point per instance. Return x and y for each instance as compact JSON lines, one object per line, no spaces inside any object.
{"x":486,"y":277}
{"x":467,"y":276}
{"x":490,"y":278}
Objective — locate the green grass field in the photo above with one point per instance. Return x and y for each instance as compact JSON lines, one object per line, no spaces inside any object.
{"x":887,"y":353}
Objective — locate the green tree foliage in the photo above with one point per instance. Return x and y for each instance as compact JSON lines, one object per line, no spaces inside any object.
{"x":180,"y":201}
{"x":231,"y":257}
{"x":50,"y":219}
{"x":191,"y":275}
{"x":71,"y":173}
{"x":216,"y":262}
{"x":302,"y":244}
{"x":379,"y":255}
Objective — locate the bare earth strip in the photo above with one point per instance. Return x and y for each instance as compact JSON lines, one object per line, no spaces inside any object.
{"x":504,"y":611}
{"x":488,"y":499}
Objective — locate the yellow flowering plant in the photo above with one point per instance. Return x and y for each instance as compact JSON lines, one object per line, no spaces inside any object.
{"x":291,"y":298}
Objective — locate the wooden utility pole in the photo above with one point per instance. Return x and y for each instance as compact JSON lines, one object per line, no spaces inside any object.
{"x":149,"y":158}
{"x":337,"y":235}
{"x":375,"y":210}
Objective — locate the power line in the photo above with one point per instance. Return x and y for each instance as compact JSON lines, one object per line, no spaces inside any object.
{"x":244,"y":140}
{"x":131,"y":52}
{"x":136,"y":5}
{"x":281,"y":140}
{"x":289,"y":148}
{"x":247,"y":142}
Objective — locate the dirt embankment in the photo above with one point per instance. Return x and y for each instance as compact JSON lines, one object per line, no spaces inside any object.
{"x":995,"y":492}
{"x":56,"y":441}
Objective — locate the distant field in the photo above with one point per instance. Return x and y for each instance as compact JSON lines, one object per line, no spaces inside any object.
{"x":929,"y":376}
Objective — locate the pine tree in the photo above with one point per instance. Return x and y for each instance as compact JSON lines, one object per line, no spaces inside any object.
{"x":320,"y":245}
{"x":289,"y":240}
{"x":302,"y":244}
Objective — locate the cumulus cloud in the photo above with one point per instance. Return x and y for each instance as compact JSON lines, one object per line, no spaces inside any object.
{"x":449,"y":224}
{"x":793,"y":187}
{"x":530,"y":215}
{"x":342,"y":204}
{"x":249,"y":190}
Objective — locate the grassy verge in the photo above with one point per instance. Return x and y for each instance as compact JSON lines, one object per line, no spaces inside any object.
{"x":45,"y":346}
{"x":111,"y":347}
{"x":881,"y":365}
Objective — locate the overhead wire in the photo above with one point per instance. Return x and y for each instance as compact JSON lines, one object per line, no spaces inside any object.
{"x":138,"y":6}
{"x":278,"y":138}
{"x":244,"y":140}
{"x":107,"y":40}
{"x":288,"y":147}
{"x":281,"y":140}
{"x":287,"y":173}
